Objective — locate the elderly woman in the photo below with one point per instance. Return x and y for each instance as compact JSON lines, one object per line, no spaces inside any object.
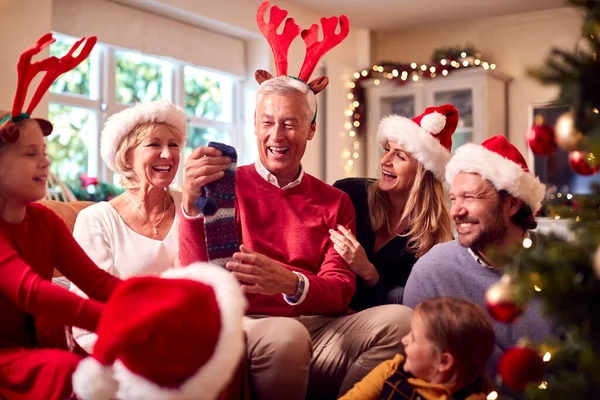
{"x":402,"y":215}
{"x":136,"y":233}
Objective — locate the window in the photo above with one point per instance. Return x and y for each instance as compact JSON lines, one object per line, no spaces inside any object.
{"x":111,"y":80}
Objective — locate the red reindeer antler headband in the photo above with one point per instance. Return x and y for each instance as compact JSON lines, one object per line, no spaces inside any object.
{"x":27,"y":71}
{"x":315,"y":48}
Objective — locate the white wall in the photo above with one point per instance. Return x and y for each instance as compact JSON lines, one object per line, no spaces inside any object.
{"x":16,"y":19}
{"x":512,"y":42}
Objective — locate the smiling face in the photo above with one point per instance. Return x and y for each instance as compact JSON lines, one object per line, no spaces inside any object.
{"x":24,"y":166}
{"x":156,"y":159}
{"x":481,"y":217}
{"x":398,"y":169}
{"x":283,"y":130}
{"x":422,"y":356}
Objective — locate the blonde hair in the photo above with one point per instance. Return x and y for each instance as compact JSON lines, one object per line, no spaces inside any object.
{"x":132,"y":140}
{"x":425,"y":211}
{"x":461,"y":328}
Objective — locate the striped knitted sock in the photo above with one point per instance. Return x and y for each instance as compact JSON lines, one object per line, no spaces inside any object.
{"x":217,"y":203}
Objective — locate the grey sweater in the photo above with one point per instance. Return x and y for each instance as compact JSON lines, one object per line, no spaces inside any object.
{"x":448,"y":269}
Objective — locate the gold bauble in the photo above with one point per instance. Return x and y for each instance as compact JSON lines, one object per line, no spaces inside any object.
{"x":566,"y":135}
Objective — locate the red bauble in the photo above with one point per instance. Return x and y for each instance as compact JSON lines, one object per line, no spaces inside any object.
{"x":519,"y":366}
{"x":501,"y":303}
{"x":541,"y":139}
{"x":578,"y":162}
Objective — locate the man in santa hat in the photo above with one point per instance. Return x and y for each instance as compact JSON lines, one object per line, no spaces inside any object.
{"x":494,"y":200}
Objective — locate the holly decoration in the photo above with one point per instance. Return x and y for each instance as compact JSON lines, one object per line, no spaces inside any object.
{"x":519,"y":366}
{"x":540,"y":137}
{"x":578,"y":160}
{"x":500,"y":301}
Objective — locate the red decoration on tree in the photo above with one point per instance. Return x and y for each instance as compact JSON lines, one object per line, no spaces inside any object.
{"x":519,"y":366}
{"x":500,"y":301}
{"x":578,"y":160}
{"x":540,"y":138}
{"x":87,"y":180}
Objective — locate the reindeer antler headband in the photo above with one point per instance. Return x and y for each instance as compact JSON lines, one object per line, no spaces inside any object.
{"x":315,"y":48}
{"x":26,"y":71}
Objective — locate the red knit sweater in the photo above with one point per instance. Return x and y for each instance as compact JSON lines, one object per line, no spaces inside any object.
{"x":291,"y":227}
{"x":29,"y":252}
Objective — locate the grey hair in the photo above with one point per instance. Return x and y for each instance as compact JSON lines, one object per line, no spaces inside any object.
{"x":283,"y":85}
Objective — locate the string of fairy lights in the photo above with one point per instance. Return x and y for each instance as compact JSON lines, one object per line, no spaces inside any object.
{"x":399,"y":74}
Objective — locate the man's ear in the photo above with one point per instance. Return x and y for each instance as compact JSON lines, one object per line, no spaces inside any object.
{"x":311,"y":132}
{"x":514,"y":205}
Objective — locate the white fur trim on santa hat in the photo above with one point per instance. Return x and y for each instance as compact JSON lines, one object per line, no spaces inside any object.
{"x":417,"y":141}
{"x":503,"y":173}
{"x":212,"y":378}
{"x":120,"y":124}
{"x":94,"y":381}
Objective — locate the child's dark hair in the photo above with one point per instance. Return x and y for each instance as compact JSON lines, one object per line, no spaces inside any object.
{"x":462,"y":329}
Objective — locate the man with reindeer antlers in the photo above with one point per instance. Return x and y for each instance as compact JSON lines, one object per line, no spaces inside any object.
{"x":300,"y":343}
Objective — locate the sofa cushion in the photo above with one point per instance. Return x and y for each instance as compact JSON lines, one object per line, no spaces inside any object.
{"x":67,"y":211}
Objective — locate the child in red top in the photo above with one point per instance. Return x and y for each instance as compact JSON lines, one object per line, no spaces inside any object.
{"x":34,"y":241}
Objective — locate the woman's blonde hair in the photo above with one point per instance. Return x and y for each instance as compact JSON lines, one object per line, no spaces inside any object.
{"x":461,"y":328}
{"x":132,"y":140}
{"x":425,"y":212}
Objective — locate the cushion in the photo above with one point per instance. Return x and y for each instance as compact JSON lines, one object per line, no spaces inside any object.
{"x":67,"y":211}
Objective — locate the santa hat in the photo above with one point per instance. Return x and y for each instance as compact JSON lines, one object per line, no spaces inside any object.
{"x":428,"y":137}
{"x":499,"y":162}
{"x":120,"y":124}
{"x":174,"y":337}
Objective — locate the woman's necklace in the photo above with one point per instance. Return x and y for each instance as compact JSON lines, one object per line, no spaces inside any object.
{"x":137,"y":208}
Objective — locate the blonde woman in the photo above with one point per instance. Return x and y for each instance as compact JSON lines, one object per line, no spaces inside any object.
{"x":402,"y":215}
{"x":137,"y":232}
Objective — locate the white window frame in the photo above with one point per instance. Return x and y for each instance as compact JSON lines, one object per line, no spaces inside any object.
{"x":103,"y":102}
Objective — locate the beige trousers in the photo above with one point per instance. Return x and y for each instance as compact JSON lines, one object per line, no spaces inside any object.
{"x":320,"y":357}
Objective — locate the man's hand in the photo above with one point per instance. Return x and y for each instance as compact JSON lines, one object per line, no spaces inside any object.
{"x":346,"y":245}
{"x":203,"y":166}
{"x":259,"y":274}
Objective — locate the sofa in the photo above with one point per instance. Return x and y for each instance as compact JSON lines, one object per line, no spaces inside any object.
{"x":239,"y":389}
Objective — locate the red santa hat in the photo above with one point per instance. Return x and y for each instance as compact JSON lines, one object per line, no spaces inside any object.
{"x":499,"y":162}
{"x":428,"y":137}
{"x":120,"y":124}
{"x":177,"y":336}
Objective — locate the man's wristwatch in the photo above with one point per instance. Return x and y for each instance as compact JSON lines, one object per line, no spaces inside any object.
{"x":300,"y":283}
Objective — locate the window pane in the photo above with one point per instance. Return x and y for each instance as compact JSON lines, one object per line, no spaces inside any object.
{"x":76,"y":81}
{"x":200,"y":136}
{"x":208,"y":95}
{"x":463,"y":101}
{"x":138,"y":78}
{"x":67,"y":149}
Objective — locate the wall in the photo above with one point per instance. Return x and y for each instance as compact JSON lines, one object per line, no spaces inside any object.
{"x":16,"y":19}
{"x":512,"y":42}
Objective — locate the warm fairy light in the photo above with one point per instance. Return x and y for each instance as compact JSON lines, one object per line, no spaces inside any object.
{"x":569,"y":196}
{"x":356,"y":75}
{"x":559,"y":195}
{"x":432,"y":69}
{"x":543,"y":385}
{"x":395,"y":73}
{"x":356,"y":145}
{"x":403,"y":77}
{"x":413,"y":65}
{"x":537,"y":288}
{"x":352,"y":85}
{"x":443,"y":62}
{"x":355,"y":155}
{"x":595,"y":110}
{"x":557,"y":217}
{"x":356,"y":116}
{"x":445,"y":72}
{"x":348,"y":125}
{"x":415,"y":78}
{"x":352,"y":133}
{"x":463,"y":54}
{"x":380,"y":68}
{"x":364,"y":72}
{"x":348,"y":113}
{"x":527,"y":242}
{"x":350,"y":96}
{"x":492,"y":396}
{"x":547,"y":356}
{"x":424,"y":67}
{"x":346,"y":154}
{"x":356,"y":124}
{"x":356,"y":104}
{"x":493,"y":66}
{"x":433,"y":75}
{"x":477,"y":62}
{"x":375,"y":67}
{"x":376,"y":82}
{"x":350,"y":162}
{"x":465,"y":63}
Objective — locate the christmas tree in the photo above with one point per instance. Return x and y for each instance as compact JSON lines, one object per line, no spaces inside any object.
{"x":563,"y":273}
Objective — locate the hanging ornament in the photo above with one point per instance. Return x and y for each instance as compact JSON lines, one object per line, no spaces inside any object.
{"x":519,"y":366}
{"x":500,"y":301}
{"x":566,"y":135}
{"x":540,"y":137}
{"x":579,"y":162}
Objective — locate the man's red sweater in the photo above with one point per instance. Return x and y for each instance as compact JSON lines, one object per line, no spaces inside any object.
{"x":291,"y":227}
{"x":29,"y":252}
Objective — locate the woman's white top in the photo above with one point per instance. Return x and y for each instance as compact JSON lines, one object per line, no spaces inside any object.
{"x":120,"y":251}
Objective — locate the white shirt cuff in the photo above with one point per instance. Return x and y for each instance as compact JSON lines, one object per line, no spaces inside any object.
{"x":291,"y":300}
{"x":189,"y":216}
